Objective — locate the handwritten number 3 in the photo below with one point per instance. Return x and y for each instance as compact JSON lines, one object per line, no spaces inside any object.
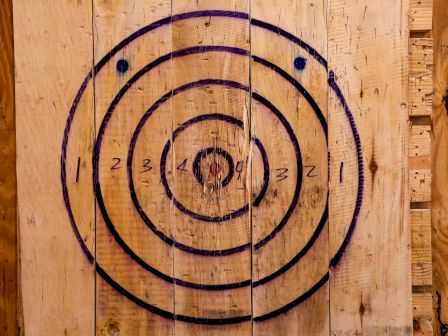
{"x":146,"y":166}
{"x":281,"y":174}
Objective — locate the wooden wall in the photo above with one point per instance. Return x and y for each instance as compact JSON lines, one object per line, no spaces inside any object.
{"x":117,"y":102}
{"x":420,"y":158}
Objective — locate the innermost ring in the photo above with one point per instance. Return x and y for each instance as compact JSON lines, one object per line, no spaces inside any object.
{"x":214,"y":170}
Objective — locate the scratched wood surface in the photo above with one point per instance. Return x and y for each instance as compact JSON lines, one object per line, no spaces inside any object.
{"x":52,"y":57}
{"x":368,"y":47}
{"x":125,"y":247}
{"x":8,"y":191}
{"x":209,"y":148}
{"x":439,"y":213}
{"x":228,"y":168}
{"x":299,"y":273}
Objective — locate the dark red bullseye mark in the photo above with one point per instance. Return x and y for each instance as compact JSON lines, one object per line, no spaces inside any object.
{"x":215,"y":169}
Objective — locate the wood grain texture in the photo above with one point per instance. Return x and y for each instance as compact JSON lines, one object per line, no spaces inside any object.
{"x":229,"y":168}
{"x":422,"y":304}
{"x":439,"y":214}
{"x":420,"y":163}
{"x":212,"y":197}
{"x":421,"y":247}
{"x":420,"y":15}
{"x":52,"y":56}
{"x":8,"y":189}
{"x":420,"y":76}
{"x":307,"y":21}
{"x":368,"y":47}
{"x":122,"y":271}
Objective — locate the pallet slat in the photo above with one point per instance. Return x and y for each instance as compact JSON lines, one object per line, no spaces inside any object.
{"x":420,"y":15}
{"x":420,"y":76}
{"x":420,"y":163}
{"x":421,"y":247}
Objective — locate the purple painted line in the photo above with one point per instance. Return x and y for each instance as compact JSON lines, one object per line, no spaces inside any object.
{"x":64,"y":169}
{"x":359,"y":197}
{"x":332,"y":83}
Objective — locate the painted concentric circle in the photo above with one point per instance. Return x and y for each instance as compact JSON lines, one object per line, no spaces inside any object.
{"x":146,"y":187}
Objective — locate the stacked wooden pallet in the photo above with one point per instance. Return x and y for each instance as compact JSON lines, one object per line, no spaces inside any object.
{"x":420,"y":99}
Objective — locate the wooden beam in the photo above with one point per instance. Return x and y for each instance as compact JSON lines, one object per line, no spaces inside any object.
{"x":8,"y":190}
{"x":440,"y":173}
{"x":420,"y":15}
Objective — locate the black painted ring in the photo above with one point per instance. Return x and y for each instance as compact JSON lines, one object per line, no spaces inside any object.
{"x":234,"y":214}
{"x":197,"y":172}
{"x":333,"y":85}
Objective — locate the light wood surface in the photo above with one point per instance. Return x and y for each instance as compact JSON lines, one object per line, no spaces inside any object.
{"x":420,"y":76}
{"x":368,"y":48}
{"x":228,"y":168}
{"x":52,"y":57}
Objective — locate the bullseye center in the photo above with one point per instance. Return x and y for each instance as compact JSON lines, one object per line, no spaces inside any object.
{"x":215,"y":169}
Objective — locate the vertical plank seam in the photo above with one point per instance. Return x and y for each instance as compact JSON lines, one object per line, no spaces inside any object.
{"x":95,"y":304}
{"x":250,"y":170}
{"x":330,"y":332}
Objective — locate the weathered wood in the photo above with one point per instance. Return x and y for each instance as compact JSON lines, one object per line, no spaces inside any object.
{"x":53,"y":54}
{"x":8,"y":190}
{"x":308,"y":273}
{"x":211,"y":197}
{"x":420,"y":163}
{"x":420,"y":76}
{"x":439,"y":214}
{"x":368,"y":47}
{"x":421,"y":247}
{"x":224,"y":174}
{"x":423,"y":314}
{"x":124,"y":243}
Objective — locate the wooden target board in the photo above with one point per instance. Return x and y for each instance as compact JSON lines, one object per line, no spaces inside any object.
{"x":212,"y":169}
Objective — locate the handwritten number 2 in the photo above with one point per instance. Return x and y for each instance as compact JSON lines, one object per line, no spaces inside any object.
{"x":116,"y":165}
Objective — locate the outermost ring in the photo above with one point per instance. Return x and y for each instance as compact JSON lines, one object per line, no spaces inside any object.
{"x":332,"y":83}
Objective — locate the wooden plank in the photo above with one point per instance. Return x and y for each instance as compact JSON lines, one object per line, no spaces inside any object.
{"x":8,"y":189}
{"x":420,"y":76}
{"x":420,"y":15}
{"x":288,"y":44}
{"x":421,"y":247}
{"x":53,"y":54}
{"x":423,"y":312}
{"x":134,"y":288}
{"x":439,"y":214}
{"x":204,"y":154}
{"x":420,"y":163}
{"x":368,"y":47}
